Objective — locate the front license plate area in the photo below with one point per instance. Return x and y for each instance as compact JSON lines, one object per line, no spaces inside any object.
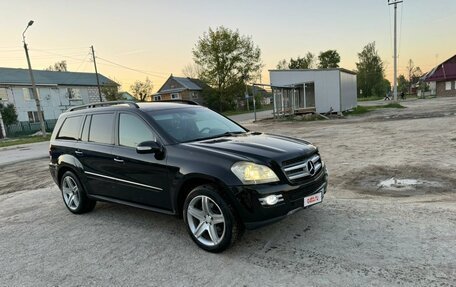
{"x":312,"y":199}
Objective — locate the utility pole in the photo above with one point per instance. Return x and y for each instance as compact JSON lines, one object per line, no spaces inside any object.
{"x":34,"y":90}
{"x":395,"y":45}
{"x":96,"y":72}
{"x":254,"y":103}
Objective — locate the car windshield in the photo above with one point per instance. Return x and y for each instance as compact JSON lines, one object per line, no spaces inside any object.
{"x":190,"y":124}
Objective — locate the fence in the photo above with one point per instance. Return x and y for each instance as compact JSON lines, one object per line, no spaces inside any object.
{"x":26,"y":128}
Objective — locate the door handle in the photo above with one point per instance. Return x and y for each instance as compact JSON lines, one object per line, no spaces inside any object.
{"x":78,"y":152}
{"x":118,"y":160}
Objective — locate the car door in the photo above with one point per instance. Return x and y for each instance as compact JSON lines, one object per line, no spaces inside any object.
{"x":143,"y":178}
{"x":94,"y":151}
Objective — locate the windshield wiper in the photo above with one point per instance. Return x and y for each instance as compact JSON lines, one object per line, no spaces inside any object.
{"x":229,"y":134}
{"x":226,"y":134}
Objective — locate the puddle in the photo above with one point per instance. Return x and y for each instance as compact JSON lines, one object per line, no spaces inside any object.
{"x":400,"y":181}
{"x":395,"y":183}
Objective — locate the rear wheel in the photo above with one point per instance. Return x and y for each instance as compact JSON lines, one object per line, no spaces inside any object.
{"x":211,"y":221}
{"x":73,"y":194}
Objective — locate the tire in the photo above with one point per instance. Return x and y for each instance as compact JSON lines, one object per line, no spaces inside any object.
{"x":211,"y":222}
{"x":73,"y":194}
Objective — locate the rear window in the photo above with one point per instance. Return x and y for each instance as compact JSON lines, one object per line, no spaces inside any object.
{"x":70,"y":128}
{"x":101,"y":128}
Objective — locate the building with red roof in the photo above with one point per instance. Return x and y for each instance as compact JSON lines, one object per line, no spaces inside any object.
{"x":443,"y":77}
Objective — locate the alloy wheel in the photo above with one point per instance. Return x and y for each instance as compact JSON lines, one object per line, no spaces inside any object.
{"x":70,"y":192}
{"x":206,"y":220}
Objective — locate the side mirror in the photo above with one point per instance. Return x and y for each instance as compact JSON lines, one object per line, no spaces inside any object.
{"x":150,"y":147}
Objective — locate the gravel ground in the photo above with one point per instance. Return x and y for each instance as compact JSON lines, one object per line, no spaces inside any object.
{"x":363,"y":234}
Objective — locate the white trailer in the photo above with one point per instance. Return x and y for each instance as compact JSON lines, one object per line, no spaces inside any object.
{"x":320,"y":90}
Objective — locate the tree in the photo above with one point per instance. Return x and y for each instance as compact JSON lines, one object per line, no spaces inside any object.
{"x":371,"y":72}
{"x":192,"y":70}
{"x":9,"y":114}
{"x":386,"y":85}
{"x":60,"y":66}
{"x":142,"y":90}
{"x":111,"y":93}
{"x":402,"y":84}
{"x":227,"y":60}
{"x":282,"y":65}
{"x":329,"y":59}
{"x":414,"y":74}
{"x":306,"y":62}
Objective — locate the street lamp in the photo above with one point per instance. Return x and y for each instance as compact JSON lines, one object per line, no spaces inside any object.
{"x":35,"y":92}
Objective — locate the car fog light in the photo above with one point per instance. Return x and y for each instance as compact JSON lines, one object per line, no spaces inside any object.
{"x":271,"y":199}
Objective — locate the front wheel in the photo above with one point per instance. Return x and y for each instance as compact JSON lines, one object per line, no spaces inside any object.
{"x":211,"y":221}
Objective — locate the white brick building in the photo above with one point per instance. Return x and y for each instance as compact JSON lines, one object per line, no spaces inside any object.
{"x":57,"y":91}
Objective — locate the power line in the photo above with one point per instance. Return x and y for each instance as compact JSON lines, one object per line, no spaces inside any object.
{"x":400,"y":30}
{"x":133,"y":69}
{"x":58,"y":54}
{"x":64,"y":48}
{"x":115,"y":66}
{"x":390,"y":34}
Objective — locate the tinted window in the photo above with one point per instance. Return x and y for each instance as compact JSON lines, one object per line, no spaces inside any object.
{"x":70,"y":128}
{"x":194,"y":123}
{"x":85,"y":129}
{"x":133,"y":130}
{"x":101,"y":128}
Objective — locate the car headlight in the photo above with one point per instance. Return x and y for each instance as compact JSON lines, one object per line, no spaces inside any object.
{"x":252,"y":173}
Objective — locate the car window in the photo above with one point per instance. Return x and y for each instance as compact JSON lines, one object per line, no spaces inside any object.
{"x":101,"y":128}
{"x":133,"y":131}
{"x":193,"y":123}
{"x":85,"y":129}
{"x":70,"y":128}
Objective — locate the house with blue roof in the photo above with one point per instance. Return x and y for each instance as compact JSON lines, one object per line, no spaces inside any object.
{"x":181,"y":88}
{"x":57,"y":91}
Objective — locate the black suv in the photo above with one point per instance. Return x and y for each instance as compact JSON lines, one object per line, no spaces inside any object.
{"x":183,"y":159}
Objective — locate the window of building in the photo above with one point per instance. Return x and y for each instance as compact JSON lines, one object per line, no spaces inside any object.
{"x":33,"y":116}
{"x":70,"y":128}
{"x":74,"y":94}
{"x":133,"y":131}
{"x":175,"y":96}
{"x":447,"y":86}
{"x":101,"y":128}
{"x":157,"y":98}
{"x":194,"y":95}
{"x":28,"y":94}
{"x":3,"y":94}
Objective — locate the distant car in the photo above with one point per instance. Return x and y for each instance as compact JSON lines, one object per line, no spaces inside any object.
{"x":183,"y":159}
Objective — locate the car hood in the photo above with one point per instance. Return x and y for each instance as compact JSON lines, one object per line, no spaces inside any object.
{"x":256,"y":147}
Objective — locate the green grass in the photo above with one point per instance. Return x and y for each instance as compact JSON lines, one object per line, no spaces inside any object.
{"x":359,"y":110}
{"x":232,"y":113}
{"x":23,"y":140}
{"x":407,"y":96}
{"x":365,"y":99}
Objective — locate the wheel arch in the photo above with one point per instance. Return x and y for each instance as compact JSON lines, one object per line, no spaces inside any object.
{"x":69,"y":163}
{"x":192,"y":181}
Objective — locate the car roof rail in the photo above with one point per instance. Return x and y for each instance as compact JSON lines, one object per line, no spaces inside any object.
{"x":103,"y":104}
{"x":188,"y":102}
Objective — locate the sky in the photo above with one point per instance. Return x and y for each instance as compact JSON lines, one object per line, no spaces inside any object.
{"x":155,"y":38}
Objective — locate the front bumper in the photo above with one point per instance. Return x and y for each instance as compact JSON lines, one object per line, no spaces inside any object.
{"x":254,"y":214}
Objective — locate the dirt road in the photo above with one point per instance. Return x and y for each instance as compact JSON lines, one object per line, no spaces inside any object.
{"x":389,"y":219}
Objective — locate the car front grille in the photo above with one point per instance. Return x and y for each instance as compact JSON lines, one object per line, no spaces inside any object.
{"x":301,"y":168}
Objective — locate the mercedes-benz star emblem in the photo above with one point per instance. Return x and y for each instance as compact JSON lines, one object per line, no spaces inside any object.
{"x":311,"y":167}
